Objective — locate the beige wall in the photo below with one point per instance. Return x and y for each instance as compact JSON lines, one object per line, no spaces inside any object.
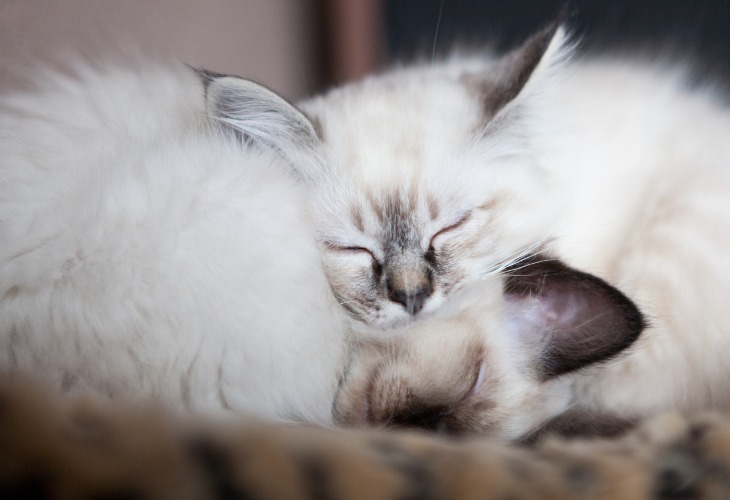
{"x":272,"y":41}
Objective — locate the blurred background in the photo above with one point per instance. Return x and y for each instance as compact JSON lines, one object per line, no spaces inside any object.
{"x":299,"y":47}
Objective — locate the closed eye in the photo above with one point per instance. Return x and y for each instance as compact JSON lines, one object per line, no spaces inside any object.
{"x":447,"y":229}
{"x":353,"y":249}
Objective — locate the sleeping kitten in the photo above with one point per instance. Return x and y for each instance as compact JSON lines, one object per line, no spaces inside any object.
{"x":147,"y":254}
{"x":516,"y":176}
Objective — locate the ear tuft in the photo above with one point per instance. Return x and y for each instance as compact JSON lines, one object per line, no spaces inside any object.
{"x":512,"y":73}
{"x":258,"y":116}
{"x":205,"y":76}
{"x":575,"y":319}
{"x":520,"y":64}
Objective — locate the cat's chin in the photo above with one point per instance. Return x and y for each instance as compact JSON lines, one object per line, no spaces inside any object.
{"x":396,"y":324}
{"x":384,"y":329}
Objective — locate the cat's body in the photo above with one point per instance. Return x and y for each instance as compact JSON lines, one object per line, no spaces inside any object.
{"x":619,"y":169}
{"x":646,"y":205}
{"x":146,"y":254}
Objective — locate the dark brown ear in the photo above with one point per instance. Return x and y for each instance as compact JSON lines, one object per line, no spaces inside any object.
{"x":510,"y":74}
{"x":573,"y":318}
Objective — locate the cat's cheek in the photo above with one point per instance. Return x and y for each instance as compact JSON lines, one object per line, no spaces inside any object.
{"x":352,"y":282}
{"x":349,"y":276}
{"x":468,"y":256}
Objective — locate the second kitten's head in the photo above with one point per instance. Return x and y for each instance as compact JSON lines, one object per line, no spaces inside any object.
{"x":503,"y":365}
{"x":433,"y":182}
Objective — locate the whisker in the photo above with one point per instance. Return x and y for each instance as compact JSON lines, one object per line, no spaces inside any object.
{"x":514,"y":258}
{"x":512,"y":271}
{"x":436,"y":34}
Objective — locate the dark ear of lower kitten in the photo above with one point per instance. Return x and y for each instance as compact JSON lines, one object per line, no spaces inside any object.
{"x":580,"y":423}
{"x":576,"y":318}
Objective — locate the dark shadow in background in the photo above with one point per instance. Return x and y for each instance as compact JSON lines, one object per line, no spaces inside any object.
{"x":698,"y":30}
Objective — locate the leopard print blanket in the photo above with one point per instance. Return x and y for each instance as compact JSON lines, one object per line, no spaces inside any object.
{"x":55,"y":448}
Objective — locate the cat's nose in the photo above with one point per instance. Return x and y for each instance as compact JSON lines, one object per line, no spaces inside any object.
{"x":412,"y":299}
{"x":428,"y":418}
{"x":408,"y":284}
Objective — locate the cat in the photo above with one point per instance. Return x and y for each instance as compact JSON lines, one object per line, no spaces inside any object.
{"x":149,"y":254}
{"x":584,"y":199}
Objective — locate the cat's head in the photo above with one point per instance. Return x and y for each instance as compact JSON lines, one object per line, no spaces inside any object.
{"x":429,"y":179}
{"x":503,"y":366}
{"x":433,"y":180}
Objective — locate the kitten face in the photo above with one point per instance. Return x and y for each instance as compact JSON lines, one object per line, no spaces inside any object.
{"x":456,"y":377}
{"x":502,"y":365}
{"x":397,"y":256}
{"x":421,"y":200}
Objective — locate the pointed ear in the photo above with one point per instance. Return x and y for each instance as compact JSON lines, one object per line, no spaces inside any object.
{"x":514,"y":72}
{"x":574,"y":318}
{"x":259,"y":116}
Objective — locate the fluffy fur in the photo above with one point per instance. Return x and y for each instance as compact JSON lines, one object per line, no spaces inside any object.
{"x":433,"y":183}
{"x":156,"y":246}
{"x":146,"y":252}
{"x":462,"y":172}
{"x":513,"y":223}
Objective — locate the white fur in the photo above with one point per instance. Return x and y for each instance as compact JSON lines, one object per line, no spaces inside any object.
{"x":414,"y":131}
{"x":616,"y":167}
{"x":145,"y":254}
{"x":647,"y":193}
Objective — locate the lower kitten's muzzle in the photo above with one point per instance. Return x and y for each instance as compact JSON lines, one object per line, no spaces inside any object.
{"x":389,"y":386}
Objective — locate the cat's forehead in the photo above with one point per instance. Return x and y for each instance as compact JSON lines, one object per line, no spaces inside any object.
{"x":401,"y":105}
{"x":396,"y":210}
{"x":384,"y":126}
